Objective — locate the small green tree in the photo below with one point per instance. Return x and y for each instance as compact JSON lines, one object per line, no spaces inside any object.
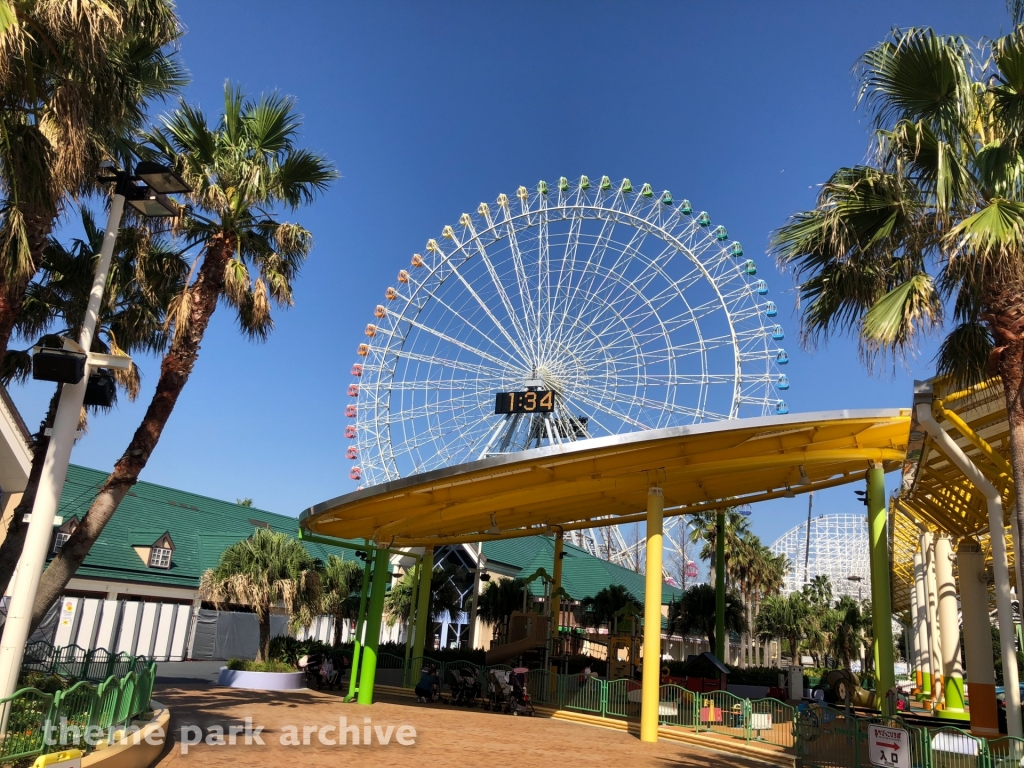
{"x":498,"y":601}
{"x":602,"y":607}
{"x":266,"y":570}
{"x":786,"y":616}
{"x":695,"y":611}
{"x":847,"y":627}
{"x":341,"y":581}
{"x":444,"y":595}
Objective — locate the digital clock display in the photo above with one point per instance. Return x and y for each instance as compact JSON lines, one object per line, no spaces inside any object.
{"x":533,"y":401}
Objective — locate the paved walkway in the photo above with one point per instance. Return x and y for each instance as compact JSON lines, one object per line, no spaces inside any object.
{"x":443,"y":735}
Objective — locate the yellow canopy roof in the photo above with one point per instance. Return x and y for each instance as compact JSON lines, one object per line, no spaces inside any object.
{"x":935,"y":495}
{"x":605,"y":480}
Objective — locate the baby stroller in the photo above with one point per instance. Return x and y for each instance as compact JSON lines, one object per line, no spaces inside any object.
{"x":499,"y":691}
{"x":330,"y":673}
{"x":460,"y":687}
{"x":521,"y":703}
{"x":310,"y":666}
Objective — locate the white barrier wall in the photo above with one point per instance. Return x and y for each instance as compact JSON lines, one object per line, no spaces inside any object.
{"x":157,"y":630}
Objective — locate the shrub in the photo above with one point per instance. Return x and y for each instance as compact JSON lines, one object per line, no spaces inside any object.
{"x":245,"y":665}
{"x":44,"y":682}
{"x":755,"y":676}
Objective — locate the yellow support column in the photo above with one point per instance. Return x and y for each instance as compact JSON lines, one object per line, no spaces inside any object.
{"x":652,"y":618}
{"x":556,"y":584}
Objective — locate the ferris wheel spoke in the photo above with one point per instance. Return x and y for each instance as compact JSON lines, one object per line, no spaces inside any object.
{"x":448,"y":338}
{"x":519,"y":267}
{"x":597,"y":251}
{"x":499,"y":286}
{"x":566,"y":267}
{"x":600,"y":405}
{"x":457,"y":318}
{"x":456,"y":365}
{"x":501,"y":327}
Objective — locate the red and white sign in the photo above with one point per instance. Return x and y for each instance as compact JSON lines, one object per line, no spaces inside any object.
{"x":888,"y":747}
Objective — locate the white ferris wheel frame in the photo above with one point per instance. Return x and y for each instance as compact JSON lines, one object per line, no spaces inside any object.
{"x":644,"y":214}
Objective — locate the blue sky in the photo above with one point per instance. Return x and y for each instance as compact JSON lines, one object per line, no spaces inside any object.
{"x":429,"y":108}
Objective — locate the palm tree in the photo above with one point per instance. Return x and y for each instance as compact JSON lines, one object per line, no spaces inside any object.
{"x":76,"y":79}
{"x":785,"y":616}
{"x":444,"y":595}
{"x":695,"y":612}
{"x":927,"y":236}
{"x":265,"y":570}
{"x":602,"y":607}
{"x":498,"y":601}
{"x":819,"y":591}
{"x":340,"y":581}
{"x":847,"y":628}
{"x":243,"y":172}
{"x":704,"y":527}
{"x":145,"y":274}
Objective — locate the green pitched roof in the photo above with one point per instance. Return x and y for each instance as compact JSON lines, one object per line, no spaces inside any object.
{"x":200,"y":527}
{"x":583,"y":575}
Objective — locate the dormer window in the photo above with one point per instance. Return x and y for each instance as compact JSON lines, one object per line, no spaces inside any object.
{"x":154,"y":548}
{"x":159,"y":557}
{"x":63,"y":533}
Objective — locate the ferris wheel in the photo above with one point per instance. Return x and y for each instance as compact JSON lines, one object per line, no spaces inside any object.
{"x":579,"y":310}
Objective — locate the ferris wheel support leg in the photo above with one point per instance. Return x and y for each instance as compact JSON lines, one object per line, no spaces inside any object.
{"x":881,"y":602}
{"x":652,"y":618}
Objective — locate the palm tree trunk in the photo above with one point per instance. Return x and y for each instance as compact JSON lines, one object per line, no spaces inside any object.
{"x":175,"y":369}
{"x":263,"y":652}
{"x":10,"y":549}
{"x":338,"y":622}
{"x":1005,"y":301}
{"x":751,"y":642}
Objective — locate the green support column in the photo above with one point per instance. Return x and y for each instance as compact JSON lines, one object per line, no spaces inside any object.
{"x":720,"y":587}
{"x":881,"y":601}
{"x":410,"y":629}
{"x":423,"y":606}
{"x":353,"y":679}
{"x":381,"y":561}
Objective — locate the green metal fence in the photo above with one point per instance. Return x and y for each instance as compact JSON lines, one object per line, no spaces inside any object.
{"x":820,"y":736}
{"x":772,"y":722}
{"x":723,"y":712}
{"x":79,"y":717}
{"x":583,"y":694}
{"x":79,"y":663}
{"x":677,"y":706}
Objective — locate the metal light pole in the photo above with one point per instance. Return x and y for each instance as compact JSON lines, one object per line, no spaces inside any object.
{"x":149,"y":199}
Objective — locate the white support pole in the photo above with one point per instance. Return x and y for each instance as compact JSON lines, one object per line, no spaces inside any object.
{"x":934,"y":630}
{"x":1000,"y":565}
{"x":922,"y":644}
{"x":51,"y":482}
{"x":949,"y":627}
{"x":977,"y":639}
